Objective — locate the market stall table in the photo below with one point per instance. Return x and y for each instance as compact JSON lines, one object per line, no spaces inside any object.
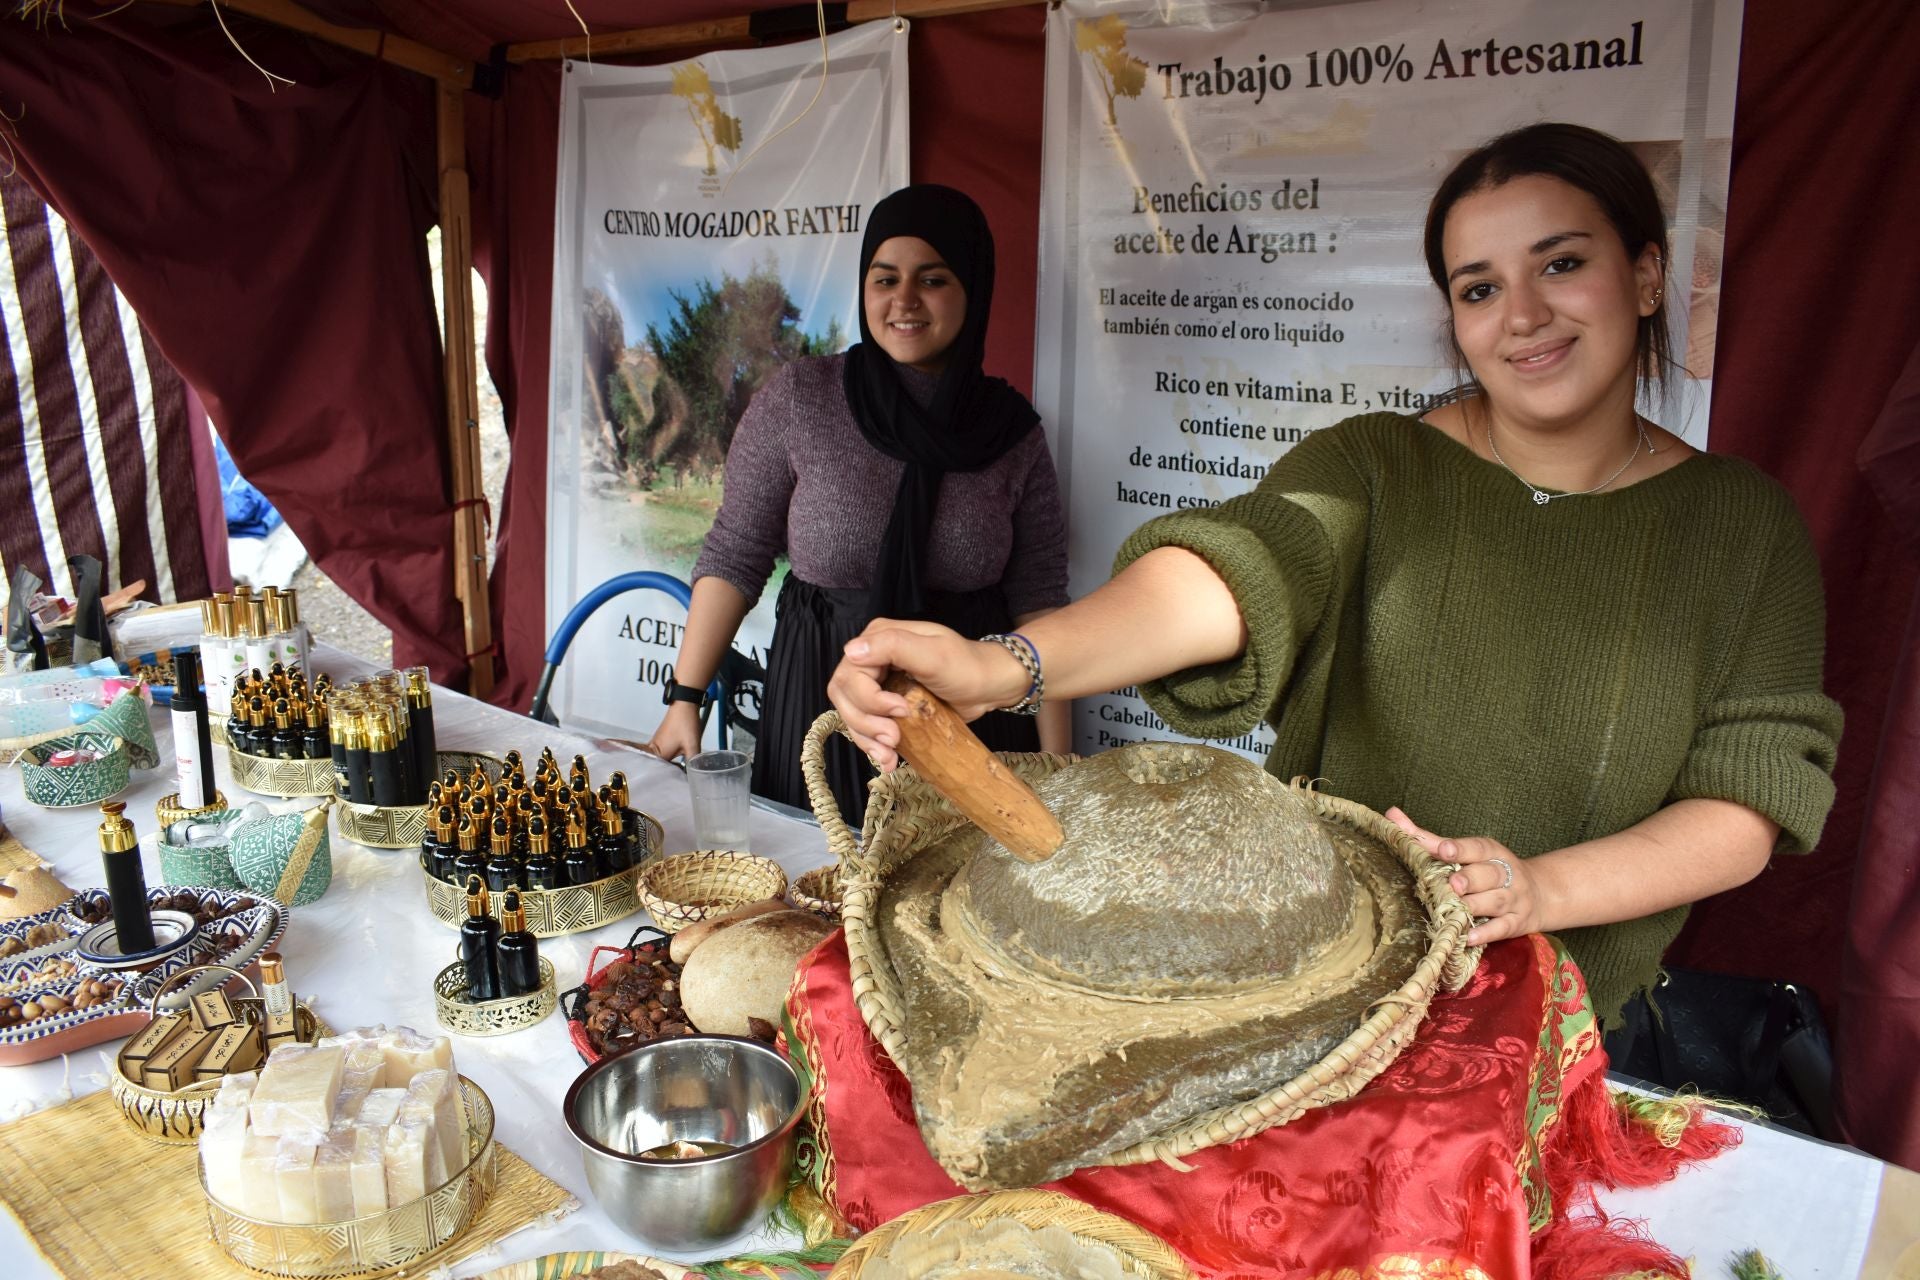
{"x":367,"y":952}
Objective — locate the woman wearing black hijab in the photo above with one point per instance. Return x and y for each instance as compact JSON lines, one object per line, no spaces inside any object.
{"x":899,"y":479}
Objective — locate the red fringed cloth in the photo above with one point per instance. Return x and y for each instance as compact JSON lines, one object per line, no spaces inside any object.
{"x":1474,"y":1155}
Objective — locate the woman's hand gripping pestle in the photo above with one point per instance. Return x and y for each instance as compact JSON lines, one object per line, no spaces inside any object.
{"x":944,"y":751}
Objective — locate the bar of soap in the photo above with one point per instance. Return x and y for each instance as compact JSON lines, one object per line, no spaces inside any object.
{"x":364,"y":1053}
{"x":347,"y":1104}
{"x":369,"y":1171}
{"x":333,"y":1177}
{"x":436,"y":1094}
{"x":406,"y":1160}
{"x":223,"y":1146}
{"x":293,"y":1179}
{"x":296,"y":1092}
{"x":236,"y":1091}
{"x":381,"y":1108}
{"x":259,"y":1193}
{"x":408,"y":1053}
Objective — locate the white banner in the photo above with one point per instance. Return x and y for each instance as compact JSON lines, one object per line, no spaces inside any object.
{"x":707,"y":230}
{"x":1231,"y":222}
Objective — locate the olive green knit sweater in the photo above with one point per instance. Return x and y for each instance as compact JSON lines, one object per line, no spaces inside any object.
{"x":1424,"y":634}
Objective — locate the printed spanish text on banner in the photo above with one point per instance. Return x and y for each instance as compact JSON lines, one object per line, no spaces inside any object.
{"x":1231,"y":227}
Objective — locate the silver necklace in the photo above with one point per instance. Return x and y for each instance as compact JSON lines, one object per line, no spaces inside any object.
{"x":1541,"y":497}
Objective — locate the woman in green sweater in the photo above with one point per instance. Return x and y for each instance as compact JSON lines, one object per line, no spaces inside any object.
{"x":1570,"y":653}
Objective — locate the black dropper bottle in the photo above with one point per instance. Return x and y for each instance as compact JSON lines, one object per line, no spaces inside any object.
{"x":610,"y":850}
{"x":542,"y":870}
{"x":577,"y":866}
{"x":468,"y":861}
{"x":479,"y":937}
{"x":286,"y":740}
{"x":629,"y":818}
{"x":314,"y":740}
{"x":519,"y":950}
{"x":503,"y":869}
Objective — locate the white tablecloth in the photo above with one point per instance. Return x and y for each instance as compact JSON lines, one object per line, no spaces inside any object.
{"x":367,"y":952}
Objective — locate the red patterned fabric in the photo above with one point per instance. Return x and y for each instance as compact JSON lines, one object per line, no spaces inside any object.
{"x":1440,"y":1167}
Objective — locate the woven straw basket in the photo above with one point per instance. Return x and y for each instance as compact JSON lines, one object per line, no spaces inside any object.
{"x":818,"y":891}
{"x":687,"y":887}
{"x":905,"y":814}
{"x":1142,"y":1254}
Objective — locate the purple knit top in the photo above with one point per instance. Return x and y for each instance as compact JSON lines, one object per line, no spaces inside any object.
{"x":801,"y":479}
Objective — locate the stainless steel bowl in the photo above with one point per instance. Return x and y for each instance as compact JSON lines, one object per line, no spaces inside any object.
{"x":708,"y":1089}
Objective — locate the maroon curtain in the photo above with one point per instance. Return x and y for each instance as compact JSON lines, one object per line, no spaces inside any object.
{"x":273,"y":241}
{"x":1820,"y":309}
{"x":1880,"y":984}
{"x":87,"y":381}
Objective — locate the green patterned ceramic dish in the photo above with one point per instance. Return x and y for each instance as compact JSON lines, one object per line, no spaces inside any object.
{"x":210,"y":866}
{"x":288,"y":857}
{"x":73,"y":786}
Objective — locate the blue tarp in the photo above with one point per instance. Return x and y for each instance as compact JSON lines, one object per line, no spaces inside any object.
{"x":249,"y":514}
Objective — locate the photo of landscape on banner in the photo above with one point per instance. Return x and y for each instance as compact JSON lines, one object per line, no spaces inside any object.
{"x":708,"y":226}
{"x":1231,"y":218}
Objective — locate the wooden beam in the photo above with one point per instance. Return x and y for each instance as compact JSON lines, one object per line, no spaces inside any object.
{"x":398,"y":50}
{"x":463,"y":397}
{"x":714,"y":32}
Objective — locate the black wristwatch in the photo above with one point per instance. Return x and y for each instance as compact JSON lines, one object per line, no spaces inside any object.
{"x":672,"y":691}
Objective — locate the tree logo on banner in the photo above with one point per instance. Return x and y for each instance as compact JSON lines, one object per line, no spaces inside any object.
{"x":716,"y":127}
{"x":1121,"y":75}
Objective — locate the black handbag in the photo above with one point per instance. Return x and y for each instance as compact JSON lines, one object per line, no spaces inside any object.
{"x":1751,"y":1040}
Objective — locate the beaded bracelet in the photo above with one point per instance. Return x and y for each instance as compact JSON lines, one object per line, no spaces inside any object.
{"x":1029,"y":657}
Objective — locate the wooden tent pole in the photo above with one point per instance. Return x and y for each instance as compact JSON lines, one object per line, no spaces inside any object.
{"x":398,"y":50}
{"x":463,"y":416}
{"x":719,"y":31}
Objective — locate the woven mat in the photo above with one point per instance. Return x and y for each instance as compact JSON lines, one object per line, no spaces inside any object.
{"x":98,"y":1201}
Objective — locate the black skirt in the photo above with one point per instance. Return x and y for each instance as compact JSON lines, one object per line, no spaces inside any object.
{"x":812,"y":625}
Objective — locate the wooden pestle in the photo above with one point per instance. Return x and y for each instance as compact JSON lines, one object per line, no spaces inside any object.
{"x":944,"y":751}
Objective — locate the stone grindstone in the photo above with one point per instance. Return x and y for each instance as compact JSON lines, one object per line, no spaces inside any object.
{"x":1201,"y":937}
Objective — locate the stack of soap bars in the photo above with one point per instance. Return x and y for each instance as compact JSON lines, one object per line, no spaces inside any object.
{"x":354,"y":1124}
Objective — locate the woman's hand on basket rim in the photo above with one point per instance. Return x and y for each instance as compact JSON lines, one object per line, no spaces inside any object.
{"x":1491,"y":879}
{"x":972,"y":676}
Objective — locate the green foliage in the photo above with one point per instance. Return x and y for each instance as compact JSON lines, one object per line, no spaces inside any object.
{"x":719,"y":345}
{"x":1751,"y":1264}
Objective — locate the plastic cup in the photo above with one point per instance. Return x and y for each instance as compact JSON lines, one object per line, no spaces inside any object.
{"x":718,"y":783}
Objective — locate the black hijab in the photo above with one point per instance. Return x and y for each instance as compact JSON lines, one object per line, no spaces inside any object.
{"x":971,"y":420}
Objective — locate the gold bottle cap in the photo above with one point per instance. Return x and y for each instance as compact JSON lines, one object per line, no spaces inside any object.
{"x":576,"y":830}
{"x":610,"y":819}
{"x":379,"y":732}
{"x":282,"y":714}
{"x":617,"y":780}
{"x":257,"y":711}
{"x":353,"y":731}
{"x":292,"y":596}
{"x":273,"y":970}
{"x":476,"y":896}
{"x":502,"y":836}
{"x":537,"y":837}
{"x":223,"y":616}
{"x":467,"y":835}
{"x":116,"y":833}
{"x":257,"y":617}
{"x":419,"y":692}
{"x":513,"y":918}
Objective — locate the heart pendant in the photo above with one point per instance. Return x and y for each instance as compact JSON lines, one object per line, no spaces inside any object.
{"x":1541,"y":499}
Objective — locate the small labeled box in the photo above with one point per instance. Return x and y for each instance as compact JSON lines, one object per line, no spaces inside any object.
{"x":213,"y":1011}
{"x":159,"y":1033}
{"x":235,"y":1048}
{"x":172,"y":1068}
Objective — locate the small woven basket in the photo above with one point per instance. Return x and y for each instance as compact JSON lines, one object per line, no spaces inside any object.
{"x":818,"y":891}
{"x":687,"y":887}
{"x":905,"y":814}
{"x":1142,"y":1254}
